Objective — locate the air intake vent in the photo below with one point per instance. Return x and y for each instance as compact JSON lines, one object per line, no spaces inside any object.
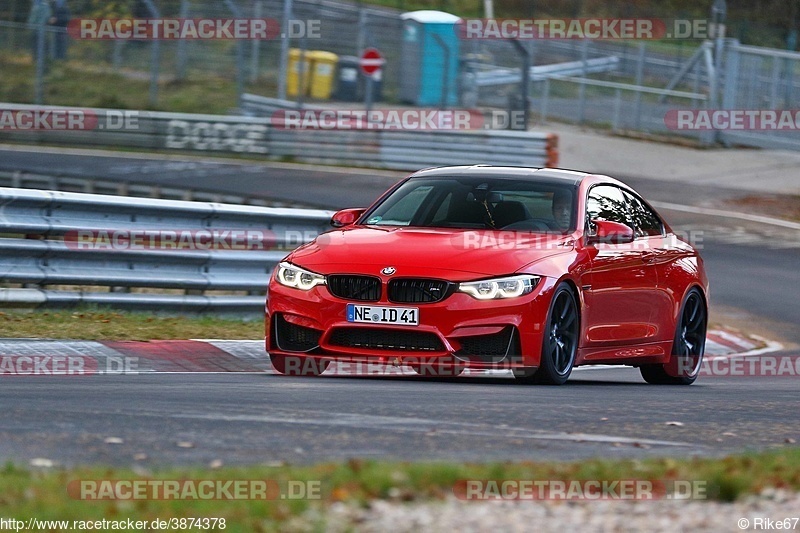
{"x":361,"y":288}
{"x":386,"y":339}
{"x":294,"y":338}
{"x":418,"y":291}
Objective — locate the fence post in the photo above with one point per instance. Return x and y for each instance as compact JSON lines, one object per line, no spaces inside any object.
{"x":545,"y":98}
{"x":446,"y":71}
{"x":775,"y":82}
{"x":116,"y":54}
{"x":255,"y":51}
{"x":38,"y":97}
{"x":361,"y":36}
{"x":617,"y":108}
{"x":731,"y":78}
{"x":582,"y":87}
{"x":639,"y":81}
{"x":525,"y":84}
{"x":182,"y":44}
{"x":155,"y":56}
{"x":239,"y":55}
{"x":284,"y":62}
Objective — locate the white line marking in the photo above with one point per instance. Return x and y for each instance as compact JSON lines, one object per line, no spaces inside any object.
{"x":727,"y":214}
{"x":422,"y":425}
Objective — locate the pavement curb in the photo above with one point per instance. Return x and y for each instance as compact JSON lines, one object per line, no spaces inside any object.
{"x":56,"y":357}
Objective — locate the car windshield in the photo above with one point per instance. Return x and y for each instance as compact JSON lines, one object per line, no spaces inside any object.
{"x":479,"y":203}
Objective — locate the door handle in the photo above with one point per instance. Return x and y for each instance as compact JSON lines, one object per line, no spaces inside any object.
{"x":648,"y":257}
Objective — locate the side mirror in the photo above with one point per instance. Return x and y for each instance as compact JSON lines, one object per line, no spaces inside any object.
{"x":346,"y":217}
{"x":611,"y":233}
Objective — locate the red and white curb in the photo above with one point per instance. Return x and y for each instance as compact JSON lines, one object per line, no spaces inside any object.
{"x":54,"y":357}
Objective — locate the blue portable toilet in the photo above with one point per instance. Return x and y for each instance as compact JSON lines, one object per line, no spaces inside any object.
{"x":430,"y":58}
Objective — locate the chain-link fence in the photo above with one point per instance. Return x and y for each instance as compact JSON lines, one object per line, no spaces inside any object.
{"x":767,"y":79}
{"x":621,"y":85}
{"x":175,"y":74}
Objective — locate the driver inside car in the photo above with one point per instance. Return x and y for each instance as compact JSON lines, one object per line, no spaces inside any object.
{"x":562,"y":209}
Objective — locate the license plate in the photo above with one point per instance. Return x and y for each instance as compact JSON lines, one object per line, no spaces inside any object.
{"x":404,"y":316}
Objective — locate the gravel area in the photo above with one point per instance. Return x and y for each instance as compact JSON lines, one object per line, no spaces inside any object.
{"x":604,"y":516}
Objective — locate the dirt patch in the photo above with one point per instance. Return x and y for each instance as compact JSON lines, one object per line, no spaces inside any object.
{"x":774,"y":205}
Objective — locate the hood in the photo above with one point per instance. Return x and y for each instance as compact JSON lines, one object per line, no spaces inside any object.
{"x":452,"y":254}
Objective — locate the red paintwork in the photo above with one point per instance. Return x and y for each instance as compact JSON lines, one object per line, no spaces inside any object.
{"x":629,"y":294}
{"x":613,"y":232}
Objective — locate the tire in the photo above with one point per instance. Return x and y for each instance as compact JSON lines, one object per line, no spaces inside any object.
{"x":560,"y":343}
{"x":292,"y":365}
{"x":688,"y":345}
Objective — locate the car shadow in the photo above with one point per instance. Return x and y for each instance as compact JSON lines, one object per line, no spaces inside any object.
{"x":469,"y":380}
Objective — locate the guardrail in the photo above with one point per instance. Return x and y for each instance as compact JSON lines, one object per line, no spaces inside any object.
{"x":261,"y":137}
{"x":494,"y":76}
{"x":91,"y":185}
{"x":60,"y":249}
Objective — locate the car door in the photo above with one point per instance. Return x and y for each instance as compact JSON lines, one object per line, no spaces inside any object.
{"x":660,"y":252}
{"x":621,"y":284}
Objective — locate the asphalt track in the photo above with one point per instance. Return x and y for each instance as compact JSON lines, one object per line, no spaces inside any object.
{"x":243,"y":418}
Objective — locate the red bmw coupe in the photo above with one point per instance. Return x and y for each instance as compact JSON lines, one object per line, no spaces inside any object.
{"x":533,"y":270}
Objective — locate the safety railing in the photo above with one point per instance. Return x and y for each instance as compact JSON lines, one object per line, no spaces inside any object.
{"x":266,"y":137}
{"x":62,"y":249}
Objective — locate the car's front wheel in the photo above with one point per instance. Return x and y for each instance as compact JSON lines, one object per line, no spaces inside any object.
{"x":688,"y":346}
{"x":560,"y":343}
{"x":292,"y":365}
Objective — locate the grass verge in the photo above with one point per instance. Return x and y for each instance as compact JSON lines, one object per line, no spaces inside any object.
{"x":105,"y":325}
{"x":43,"y":493}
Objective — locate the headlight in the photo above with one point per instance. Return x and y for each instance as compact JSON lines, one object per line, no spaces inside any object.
{"x":293,"y":276}
{"x":508,"y":287}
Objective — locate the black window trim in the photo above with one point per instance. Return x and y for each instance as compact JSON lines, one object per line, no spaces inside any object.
{"x":586,"y":228}
{"x":648,"y":206}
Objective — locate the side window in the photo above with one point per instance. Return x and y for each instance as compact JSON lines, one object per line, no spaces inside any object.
{"x":607,"y":203}
{"x":646,"y":222}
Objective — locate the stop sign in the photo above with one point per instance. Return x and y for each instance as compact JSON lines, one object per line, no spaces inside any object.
{"x":371,"y":61}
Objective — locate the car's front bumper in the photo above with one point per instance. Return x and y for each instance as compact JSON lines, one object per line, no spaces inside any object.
{"x":458,"y":330}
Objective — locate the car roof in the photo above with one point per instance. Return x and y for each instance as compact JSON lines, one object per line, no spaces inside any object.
{"x":496,"y":171}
